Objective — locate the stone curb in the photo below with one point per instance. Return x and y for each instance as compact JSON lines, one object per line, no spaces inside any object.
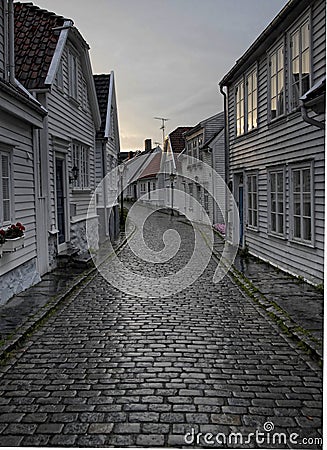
{"x":20,"y":335}
{"x":302,"y":336}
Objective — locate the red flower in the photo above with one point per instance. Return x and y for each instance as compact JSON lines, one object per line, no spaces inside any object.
{"x":2,"y":232}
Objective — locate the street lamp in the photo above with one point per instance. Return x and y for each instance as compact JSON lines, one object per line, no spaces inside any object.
{"x":121,"y":169}
{"x":172,"y":177}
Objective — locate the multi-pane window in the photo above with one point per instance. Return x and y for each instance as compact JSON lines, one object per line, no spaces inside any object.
{"x":252,"y":191}
{"x":277,"y":89}
{"x":252,"y":92}
{"x":302,"y":203}
{"x":5,"y":192}
{"x":81,"y":163}
{"x":240,"y":108}
{"x":73,"y":76}
{"x":300,"y":63}
{"x":277,"y":202}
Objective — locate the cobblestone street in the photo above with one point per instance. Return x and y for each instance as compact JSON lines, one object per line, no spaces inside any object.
{"x":112,"y":369}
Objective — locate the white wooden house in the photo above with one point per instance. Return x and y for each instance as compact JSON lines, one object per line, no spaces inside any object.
{"x":20,"y":118}
{"x":205,"y":143}
{"x":107,"y":152}
{"x":52,"y":61}
{"x":276,"y":140}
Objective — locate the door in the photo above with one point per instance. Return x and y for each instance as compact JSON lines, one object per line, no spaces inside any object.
{"x":241,"y":212}
{"x":61,"y":202}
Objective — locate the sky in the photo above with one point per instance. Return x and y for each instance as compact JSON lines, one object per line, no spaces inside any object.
{"x":167,"y":55}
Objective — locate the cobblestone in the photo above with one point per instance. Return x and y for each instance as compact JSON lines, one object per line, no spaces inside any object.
{"x":110,"y":369}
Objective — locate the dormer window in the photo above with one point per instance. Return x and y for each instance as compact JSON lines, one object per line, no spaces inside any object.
{"x":73,"y":75}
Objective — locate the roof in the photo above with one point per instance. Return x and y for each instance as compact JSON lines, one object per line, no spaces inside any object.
{"x":152,"y":168}
{"x":35,"y":43}
{"x":286,"y":16}
{"x":102,"y":83}
{"x":177,"y":140}
{"x":218,"y":123}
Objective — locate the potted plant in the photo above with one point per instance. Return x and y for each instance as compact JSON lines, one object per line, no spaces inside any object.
{"x":14,"y":237}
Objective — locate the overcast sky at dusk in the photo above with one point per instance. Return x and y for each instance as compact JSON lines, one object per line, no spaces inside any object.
{"x":167,"y":55}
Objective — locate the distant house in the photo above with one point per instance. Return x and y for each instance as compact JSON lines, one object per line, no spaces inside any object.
{"x":276,"y":135}
{"x":52,"y":62}
{"x":107,"y":153}
{"x":21,"y":116}
{"x":149,"y":180}
{"x":205,"y":142}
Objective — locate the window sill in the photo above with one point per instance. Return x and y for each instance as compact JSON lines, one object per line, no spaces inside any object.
{"x":246,"y":135}
{"x":277,"y":121}
{"x":74,"y":101}
{"x":81,"y":191}
{"x":281,"y":237}
{"x":251,"y":228}
{"x":302,"y":243}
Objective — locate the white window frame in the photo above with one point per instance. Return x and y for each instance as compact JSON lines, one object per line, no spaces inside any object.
{"x":298,"y":29}
{"x":300,"y":167}
{"x":73,"y":75}
{"x":273,"y":172}
{"x":240,"y":108}
{"x":251,"y":95}
{"x":9,"y":220}
{"x":252,"y":212}
{"x":81,"y":159}
{"x":60,"y":76}
{"x":280,"y":71}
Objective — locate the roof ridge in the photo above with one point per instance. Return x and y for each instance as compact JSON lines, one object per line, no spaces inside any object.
{"x":37,"y":9}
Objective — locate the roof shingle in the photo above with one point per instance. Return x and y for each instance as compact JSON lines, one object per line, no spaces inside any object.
{"x":177,"y":139}
{"x":35,"y":43}
{"x":102,"y":83}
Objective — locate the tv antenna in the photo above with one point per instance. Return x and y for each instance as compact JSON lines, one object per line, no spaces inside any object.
{"x":163,"y":120}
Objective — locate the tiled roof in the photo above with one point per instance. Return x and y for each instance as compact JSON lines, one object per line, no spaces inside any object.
{"x":177,"y":139}
{"x":152,"y":168}
{"x":35,"y":43}
{"x":102,"y":83}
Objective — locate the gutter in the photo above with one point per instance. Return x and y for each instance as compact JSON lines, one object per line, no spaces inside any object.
{"x":306,"y":118}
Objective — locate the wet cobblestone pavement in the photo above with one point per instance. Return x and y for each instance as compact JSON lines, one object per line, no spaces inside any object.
{"x":112,"y":369}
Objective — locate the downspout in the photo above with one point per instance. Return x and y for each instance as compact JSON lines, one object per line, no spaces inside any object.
{"x":308,"y":119}
{"x":11,"y":42}
{"x":104,"y":186}
{"x":226,"y":159}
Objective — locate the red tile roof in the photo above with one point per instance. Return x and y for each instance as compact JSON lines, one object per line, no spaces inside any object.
{"x":35,"y":43}
{"x":152,"y":168}
{"x":177,"y":139}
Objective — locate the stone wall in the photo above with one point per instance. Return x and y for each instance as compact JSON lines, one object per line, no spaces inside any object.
{"x":78,"y":236}
{"x":18,"y":280}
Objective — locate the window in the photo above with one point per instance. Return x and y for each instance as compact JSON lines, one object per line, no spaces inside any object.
{"x":81,"y":161}
{"x":252,"y":191}
{"x":240,"y":109}
{"x":190,"y":188}
{"x":300,"y":63}
{"x":206,"y":200}
{"x":302,"y":203}
{"x":252,"y":111}
{"x":84,"y":94}
{"x":277,"y":88}
{"x":73,"y":76}
{"x":194,"y":148}
{"x":60,"y":77}
{"x":5,"y":189}
{"x":277,"y":202}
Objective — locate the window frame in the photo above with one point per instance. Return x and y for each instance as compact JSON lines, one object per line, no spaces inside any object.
{"x":73,"y":75}
{"x":302,"y":166}
{"x":60,"y":76}
{"x":243,"y":83}
{"x":274,"y":51}
{"x":83,"y":181}
{"x":248,"y":209}
{"x":274,"y":170}
{"x":3,"y":223}
{"x":306,"y":18}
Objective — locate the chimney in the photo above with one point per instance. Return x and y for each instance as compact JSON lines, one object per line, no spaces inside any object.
{"x":147,"y":145}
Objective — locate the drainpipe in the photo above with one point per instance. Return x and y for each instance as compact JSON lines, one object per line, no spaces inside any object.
{"x":104,"y":187}
{"x":308,"y":119}
{"x":11,"y":43}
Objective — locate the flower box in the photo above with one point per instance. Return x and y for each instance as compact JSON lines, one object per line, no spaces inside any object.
{"x":11,"y":245}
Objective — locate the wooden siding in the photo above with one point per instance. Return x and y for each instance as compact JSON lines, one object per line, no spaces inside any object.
{"x":2,"y":38}
{"x":283,"y":142}
{"x":70,"y":121}
{"x":218,"y":149}
{"x":23,"y":187}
